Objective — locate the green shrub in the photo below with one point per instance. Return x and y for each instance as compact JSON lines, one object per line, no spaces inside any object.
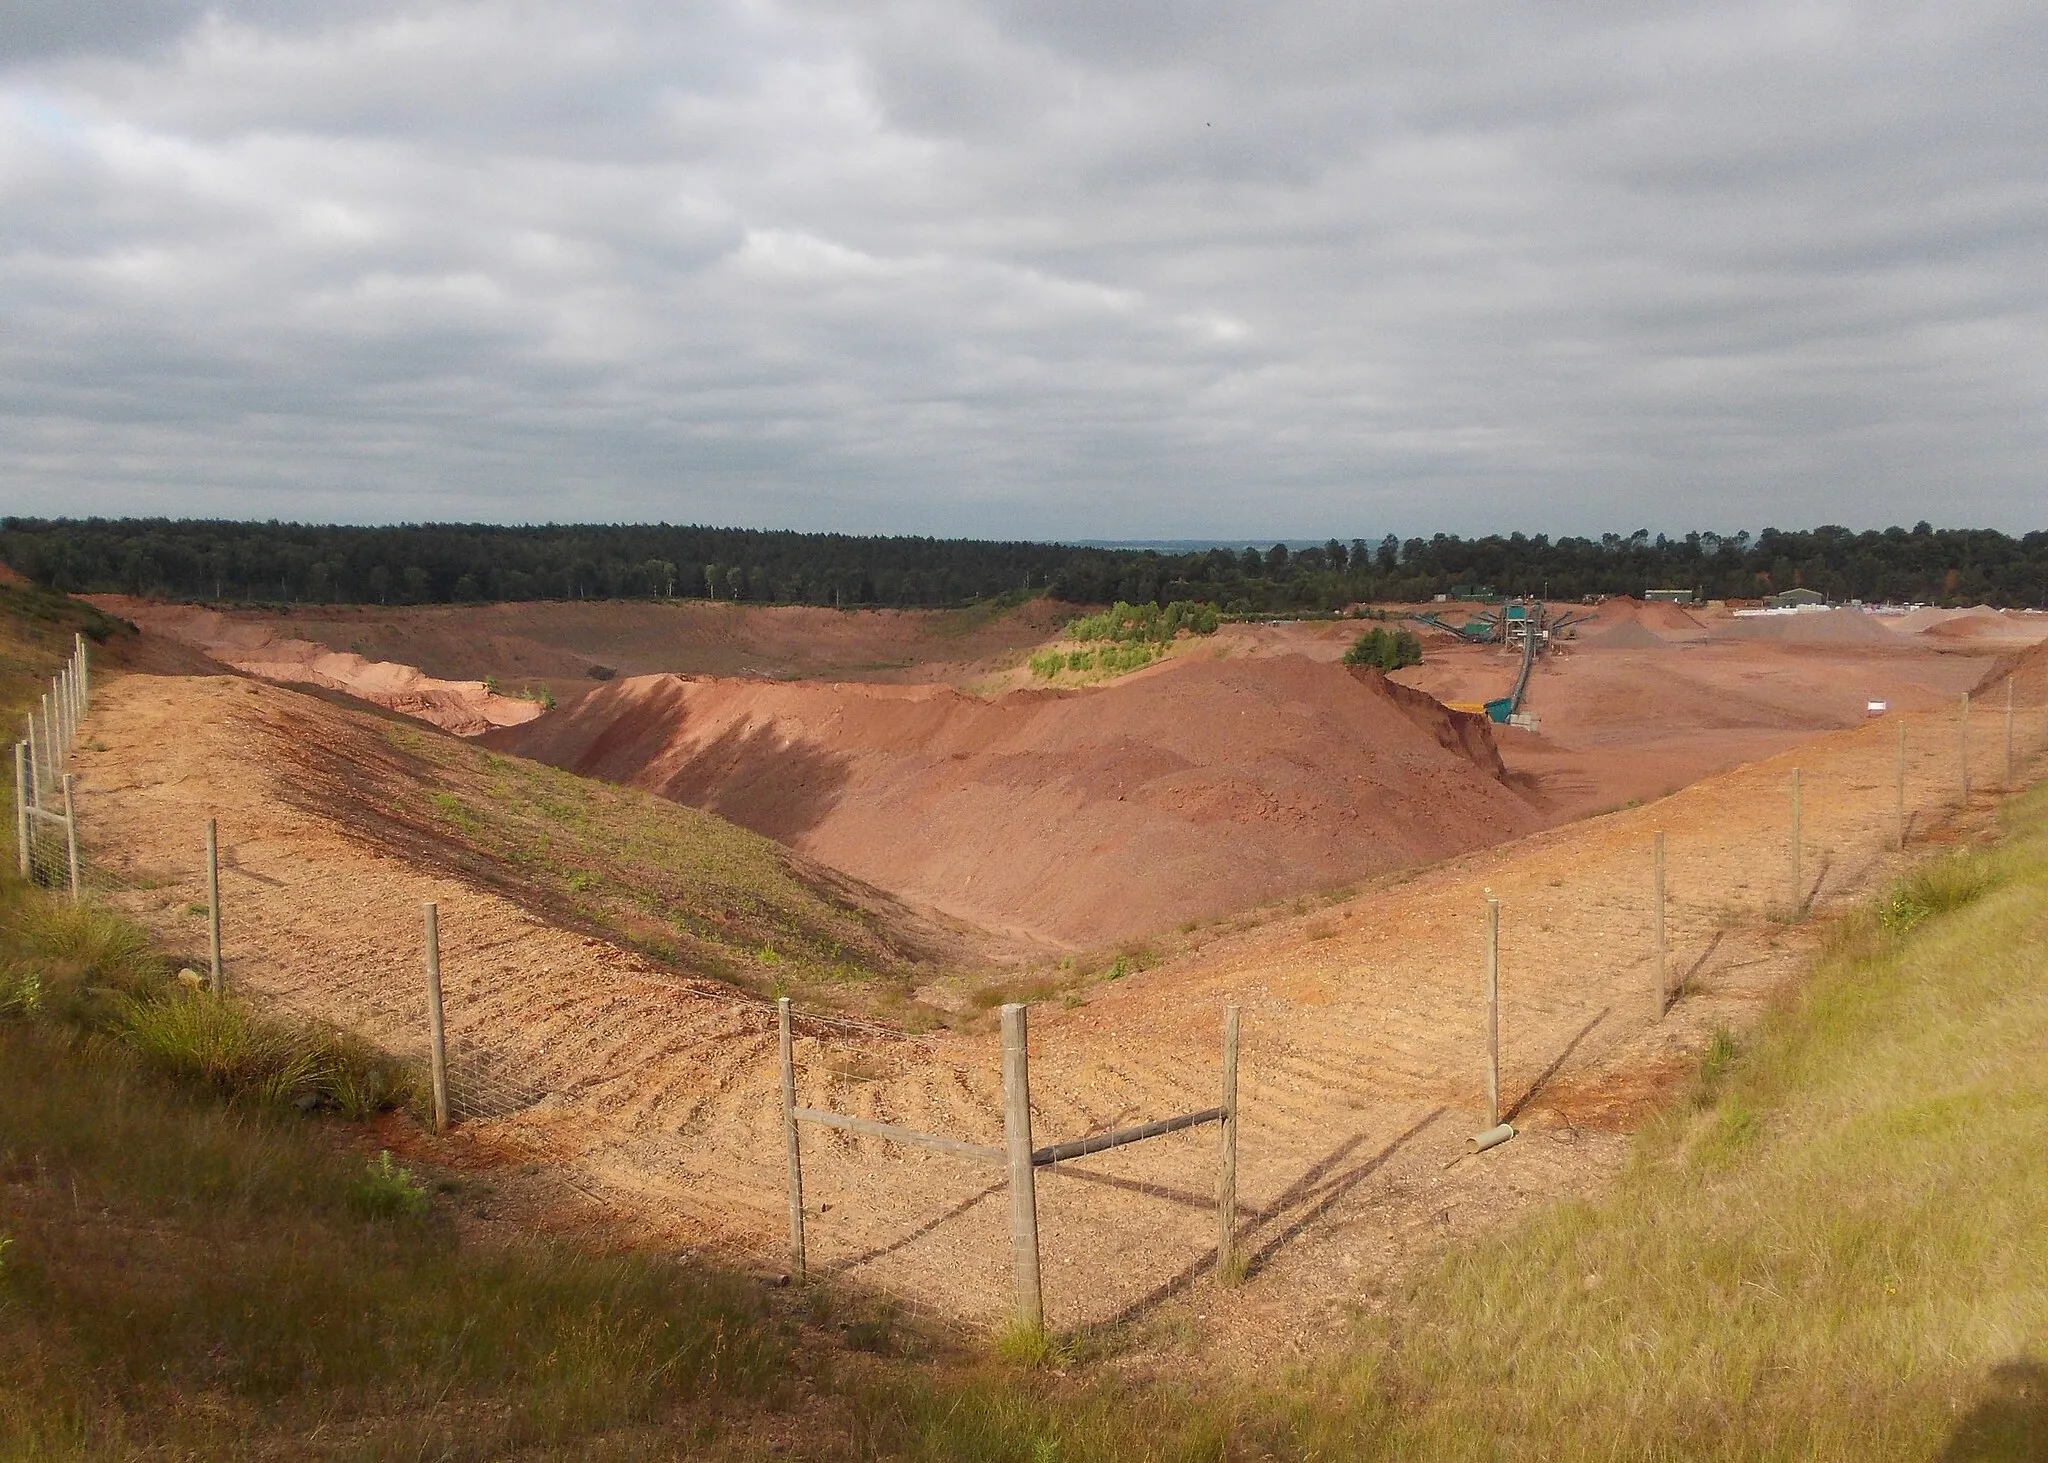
{"x":1125,"y":623}
{"x":387,"y":1191}
{"x":1047,"y":664}
{"x":1389,"y":650}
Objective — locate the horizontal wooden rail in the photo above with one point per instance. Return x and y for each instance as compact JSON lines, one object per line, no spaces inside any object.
{"x":1079,"y":1147}
{"x":899,"y":1135}
{"x":46,"y":815}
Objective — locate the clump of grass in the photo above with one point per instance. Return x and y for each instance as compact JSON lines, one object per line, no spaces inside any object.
{"x":1018,"y":1344}
{"x":92,"y":970}
{"x":231,"y":1048}
{"x":387,"y":1190}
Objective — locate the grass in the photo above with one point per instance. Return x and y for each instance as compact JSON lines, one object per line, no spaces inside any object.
{"x":198,"y":1277}
{"x":684,"y":888}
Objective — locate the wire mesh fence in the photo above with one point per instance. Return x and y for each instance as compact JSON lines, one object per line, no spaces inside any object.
{"x":1122,"y":1230}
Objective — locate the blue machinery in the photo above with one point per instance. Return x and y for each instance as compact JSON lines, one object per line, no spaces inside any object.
{"x":1523,"y":625}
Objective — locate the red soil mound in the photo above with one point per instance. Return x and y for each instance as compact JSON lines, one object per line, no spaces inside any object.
{"x":1654,"y":615}
{"x":1084,"y":816}
{"x":2028,"y":671}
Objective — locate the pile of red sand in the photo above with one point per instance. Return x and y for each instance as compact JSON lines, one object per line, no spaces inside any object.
{"x":1666,"y":620}
{"x":463,"y":707}
{"x":1196,"y":788}
{"x":1809,"y":627}
{"x":1628,"y":635}
{"x":2027,"y":670}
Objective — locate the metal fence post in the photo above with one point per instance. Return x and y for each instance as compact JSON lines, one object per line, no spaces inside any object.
{"x":1663,"y":949}
{"x":21,"y":806}
{"x":789,"y":1139}
{"x":213,"y":903}
{"x":71,"y":836}
{"x":1023,"y":1177}
{"x":1798,"y":889}
{"x":1226,"y":1174}
{"x":437,"y":1035}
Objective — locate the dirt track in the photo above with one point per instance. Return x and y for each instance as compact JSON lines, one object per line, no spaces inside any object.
{"x":1360,"y":1072}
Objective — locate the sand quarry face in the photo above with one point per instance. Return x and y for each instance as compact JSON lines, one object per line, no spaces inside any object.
{"x":1083,"y":817}
{"x":256,"y":646}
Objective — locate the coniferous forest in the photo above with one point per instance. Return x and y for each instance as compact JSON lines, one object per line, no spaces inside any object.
{"x":271,"y":562}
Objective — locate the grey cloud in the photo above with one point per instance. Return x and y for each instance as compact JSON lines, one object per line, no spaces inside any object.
{"x":1038,"y":268}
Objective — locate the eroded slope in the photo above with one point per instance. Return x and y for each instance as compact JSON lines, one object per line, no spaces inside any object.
{"x":1088,"y":816}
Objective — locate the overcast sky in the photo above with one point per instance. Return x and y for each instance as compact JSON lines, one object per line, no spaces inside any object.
{"x":1052,"y":268}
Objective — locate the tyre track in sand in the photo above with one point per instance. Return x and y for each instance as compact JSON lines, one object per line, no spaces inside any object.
{"x":1360,"y":1074}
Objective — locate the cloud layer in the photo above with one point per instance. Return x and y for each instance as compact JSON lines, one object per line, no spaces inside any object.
{"x":1032,"y":269}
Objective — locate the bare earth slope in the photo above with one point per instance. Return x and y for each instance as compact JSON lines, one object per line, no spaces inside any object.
{"x":557,"y":643}
{"x":657,"y":1097}
{"x":257,"y":647}
{"x":1086,"y":816}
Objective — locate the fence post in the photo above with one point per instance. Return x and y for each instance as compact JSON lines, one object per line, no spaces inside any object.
{"x":84,"y":672}
{"x":1963,"y":747}
{"x":1023,"y":1178}
{"x":1492,"y":1012}
{"x":1899,"y":787}
{"x":21,"y":804}
{"x":1798,"y":891}
{"x":51,"y":759}
{"x":213,"y":902}
{"x":1663,"y":948}
{"x":789,"y":1140}
{"x":2008,"y":731}
{"x":1226,"y":1172}
{"x":35,"y":765}
{"x":71,"y":836}
{"x":437,"y":1035}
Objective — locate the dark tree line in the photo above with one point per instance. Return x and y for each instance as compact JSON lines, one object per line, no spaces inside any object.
{"x":456,"y":563}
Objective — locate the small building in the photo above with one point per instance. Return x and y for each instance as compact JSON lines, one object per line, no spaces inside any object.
{"x":1668,"y":596}
{"x":1793,"y":598}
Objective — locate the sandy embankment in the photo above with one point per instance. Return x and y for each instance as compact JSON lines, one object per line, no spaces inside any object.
{"x":466,"y":708}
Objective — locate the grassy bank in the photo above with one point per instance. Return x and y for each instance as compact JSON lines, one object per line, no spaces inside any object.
{"x":1831,"y":1248}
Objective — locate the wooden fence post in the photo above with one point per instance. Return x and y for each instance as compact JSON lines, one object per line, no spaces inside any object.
{"x":1023,"y":1178}
{"x":71,"y":836}
{"x":1798,"y":888}
{"x":84,"y":671}
{"x":51,"y":758}
{"x":1899,"y":787}
{"x":2008,"y":731}
{"x":21,"y":807}
{"x":1963,"y":747}
{"x":1226,"y":1172}
{"x":1492,"y":1012}
{"x":213,"y":904}
{"x":437,"y":1035}
{"x":35,"y":765}
{"x":1663,"y":948}
{"x":791,"y":1147}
